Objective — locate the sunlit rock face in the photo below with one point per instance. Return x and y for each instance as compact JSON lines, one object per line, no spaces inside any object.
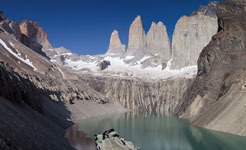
{"x":115,"y":46}
{"x":158,"y":43}
{"x":149,"y":50}
{"x":137,"y":39}
{"x":192,"y":33}
{"x":33,"y":36}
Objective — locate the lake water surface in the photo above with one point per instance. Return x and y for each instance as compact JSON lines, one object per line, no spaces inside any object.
{"x":153,"y":132}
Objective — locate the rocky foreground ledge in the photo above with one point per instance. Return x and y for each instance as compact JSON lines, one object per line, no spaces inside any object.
{"x":110,"y":140}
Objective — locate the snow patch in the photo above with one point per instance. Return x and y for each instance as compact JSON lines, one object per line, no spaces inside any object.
{"x":18,"y":55}
{"x":68,"y":54}
{"x":129,"y":57}
{"x":144,"y":58}
{"x":77,"y":65}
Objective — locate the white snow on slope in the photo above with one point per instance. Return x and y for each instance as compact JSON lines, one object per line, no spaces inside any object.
{"x":129,"y":57}
{"x":144,"y":58}
{"x":18,"y":56}
{"x":77,"y":65}
{"x":119,"y":68}
{"x":69,"y":54}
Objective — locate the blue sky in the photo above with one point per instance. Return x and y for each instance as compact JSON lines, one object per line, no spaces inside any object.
{"x":85,"y":26}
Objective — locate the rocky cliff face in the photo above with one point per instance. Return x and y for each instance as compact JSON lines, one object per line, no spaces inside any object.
{"x":191,"y":35}
{"x":158,"y":43}
{"x":137,"y":39}
{"x":115,"y":46}
{"x":28,"y":32}
{"x":140,"y":95}
{"x":9,"y":26}
{"x":216,"y":99}
{"x":33,"y":36}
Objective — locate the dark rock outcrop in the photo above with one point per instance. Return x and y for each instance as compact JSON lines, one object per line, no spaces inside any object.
{"x":104,"y":64}
{"x":19,"y":90}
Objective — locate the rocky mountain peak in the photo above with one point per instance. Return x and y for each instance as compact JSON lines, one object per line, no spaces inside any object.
{"x":138,"y":20}
{"x":209,"y":10}
{"x":153,"y":24}
{"x":137,"y":38}
{"x":158,"y":43}
{"x":2,"y":16}
{"x":115,"y":45}
{"x":192,"y":33}
{"x":33,"y":33}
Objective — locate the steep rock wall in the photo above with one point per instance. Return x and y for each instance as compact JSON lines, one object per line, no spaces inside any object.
{"x":192,"y":33}
{"x":137,"y":94}
{"x":216,"y":99}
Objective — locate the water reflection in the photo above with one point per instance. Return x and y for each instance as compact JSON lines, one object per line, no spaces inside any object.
{"x":78,"y":139}
{"x":152,"y":131}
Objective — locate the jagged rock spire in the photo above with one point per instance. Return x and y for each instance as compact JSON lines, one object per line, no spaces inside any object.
{"x":33,"y":31}
{"x":137,"y":38}
{"x":115,"y":45}
{"x":158,"y":43}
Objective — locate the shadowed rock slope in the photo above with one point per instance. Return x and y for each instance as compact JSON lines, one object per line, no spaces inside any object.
{"x":39,"y":99}
{"x":217,"y":99}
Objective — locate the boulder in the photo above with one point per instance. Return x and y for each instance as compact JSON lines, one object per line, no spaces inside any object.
{"x":110,"y":140}
{"x":104,"y":64}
